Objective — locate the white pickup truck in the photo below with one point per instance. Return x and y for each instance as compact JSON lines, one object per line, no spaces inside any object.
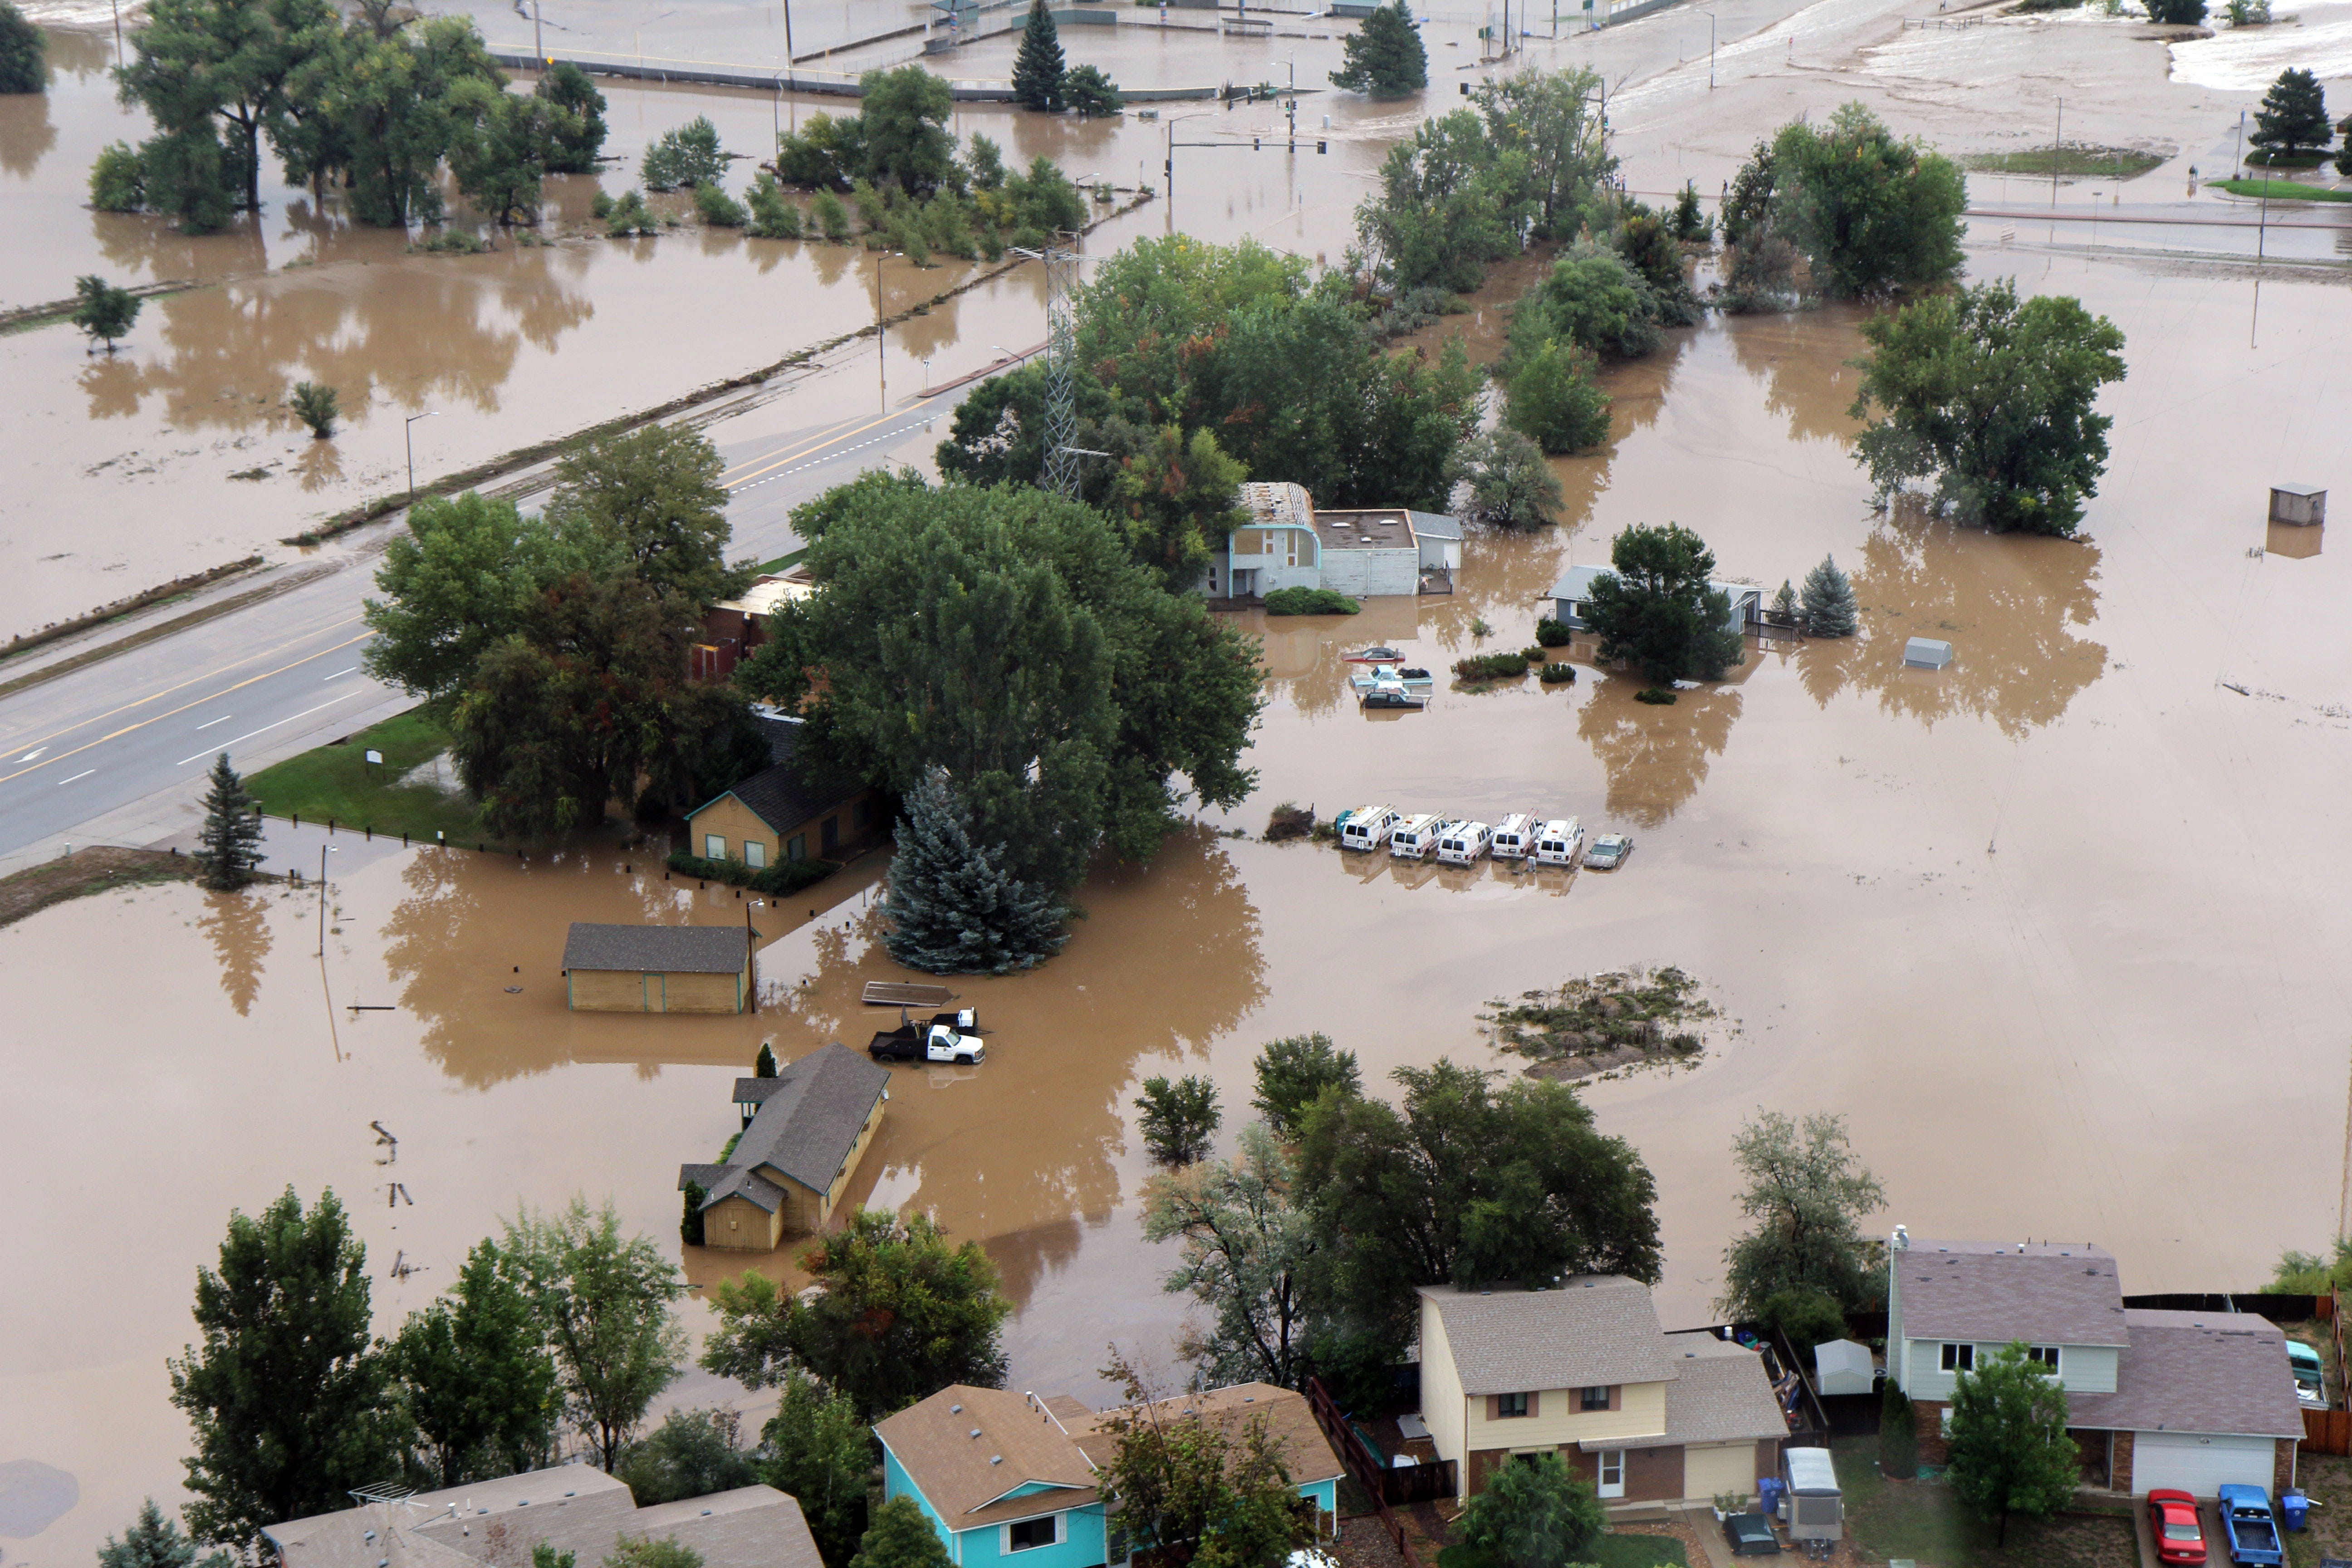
{"x":947,"y":1037}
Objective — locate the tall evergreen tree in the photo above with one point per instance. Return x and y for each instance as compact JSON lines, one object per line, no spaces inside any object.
{"x":2293,"y":117}
{"x":1037,"y":71}
{"x":764,"y":1064}
{"x":954,"y":906}
{"x":1827,"y":608}
{"x":476,"y":1375}
{"x":24,"y":48}
{"x":1386,"y":56}
{"x":228,"y":845}
{"x":153,"y":1542}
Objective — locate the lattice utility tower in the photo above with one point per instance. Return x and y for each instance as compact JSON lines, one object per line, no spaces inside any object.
{"x":1061,"y":471}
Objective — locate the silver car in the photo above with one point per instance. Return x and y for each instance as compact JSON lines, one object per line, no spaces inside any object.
{"x":1608,"y":852}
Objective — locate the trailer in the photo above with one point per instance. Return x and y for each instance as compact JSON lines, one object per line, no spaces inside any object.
{"x":1816,"y":1508}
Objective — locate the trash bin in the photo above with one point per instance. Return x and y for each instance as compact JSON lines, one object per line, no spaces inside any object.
{"x":2293,"y":1505}
{"x":1768,"y":1496}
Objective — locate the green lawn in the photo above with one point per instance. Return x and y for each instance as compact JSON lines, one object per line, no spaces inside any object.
{"x":2282,"y":190}
{"x":781,"y":562}
{"x":2069,"y":161}
{"x":1609,"y":1552}
{"x":1923,"y":1521}
{"x":336,"y":782}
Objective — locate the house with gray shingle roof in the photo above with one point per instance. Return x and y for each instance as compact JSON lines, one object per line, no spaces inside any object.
{"x":2156,"y":1399}
{"x":794,"y":1158}
{"x":788,"y":811}
{"x":1583,"y":1370}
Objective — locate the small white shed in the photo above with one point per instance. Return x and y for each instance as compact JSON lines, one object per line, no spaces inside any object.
{"x":1841,"y":1366}
{"x":2305,"y":506}
{"x":1926,"y":653}
{"x":1440,"y":538}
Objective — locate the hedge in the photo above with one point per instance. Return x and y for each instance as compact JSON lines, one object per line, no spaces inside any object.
{"x":1309,"y":602}
{"x":789,"y":878}
{"x":1492,"y":666}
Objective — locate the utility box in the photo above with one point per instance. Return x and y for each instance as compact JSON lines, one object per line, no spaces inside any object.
{"x":1926,"y":653}
{"x":2305,"y":506}
{"x":1816,"y":1509}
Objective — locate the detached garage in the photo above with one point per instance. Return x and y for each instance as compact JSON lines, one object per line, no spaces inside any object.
{"x":2203,"y":1400}
{"x":657,"y":969}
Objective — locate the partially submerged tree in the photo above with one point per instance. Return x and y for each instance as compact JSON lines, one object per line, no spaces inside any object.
{"x":954,"y":908}
{"x":1992,"y":399}
{"x":2009,"y":1450}
{"x":316,"y":406}
{"x":1828,"y":609}
{"x":228,"y":845}
{"x":1295,"y":1071}
{"x":581,"y":137}
{"x":1807,"y":1195}
{"x":1089,"y":92}
{"x":1178,"y":1118}
{"x":1384,"y":56}
{"x":1038,"y":69}
{"x":1655,"y":609}
{"x":1553,"y":400}
{"x":105,"y":312}
{"x":1247,"y":1245}
{"x":687,"y":155}
{"x":24,"y":53}
{"x":1871,"y":212}
{"x":2293,"y":118}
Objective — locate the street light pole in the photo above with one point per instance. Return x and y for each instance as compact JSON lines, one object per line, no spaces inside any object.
{"x":408,"y":432}
{"x":538,"y":44}
{"x":324,"y":850}
{"x":881,"y":356}
{"x":1710,"y":51}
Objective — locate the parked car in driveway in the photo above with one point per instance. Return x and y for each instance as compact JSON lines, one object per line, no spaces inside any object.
{"x":2310,"y":1375}
{"x":1608,"y":852}
{"x":2249,"y":1526}
{"x":1750,"y":1535}
{"x":2172,"y":1521}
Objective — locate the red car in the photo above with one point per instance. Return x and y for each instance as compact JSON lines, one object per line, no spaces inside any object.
{"x":2172,"y":1520}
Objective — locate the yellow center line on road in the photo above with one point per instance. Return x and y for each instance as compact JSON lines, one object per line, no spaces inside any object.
{"x":829,"y":441}
{"x":199,"y":702}
{"x":816,"y":441}
{"x":141,"y":703}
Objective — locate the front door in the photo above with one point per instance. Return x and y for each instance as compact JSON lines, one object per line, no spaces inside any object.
{"x":1613,"y":1473}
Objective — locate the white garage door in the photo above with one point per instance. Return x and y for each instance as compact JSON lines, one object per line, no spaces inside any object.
{"x":1710,"y":1471}
{"x":2199,"y":1466}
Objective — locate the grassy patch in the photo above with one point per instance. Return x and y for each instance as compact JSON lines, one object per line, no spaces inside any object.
{"x":780,"y":562}
{"x":1923,"y":1521}
{"x":2071,"y":162}
{"x":87,"y":871}
{"x":1638,"y":1551}
{"x":1611,"y":1018}
{"x":336,"y":783}
{"x":2282,"y":190}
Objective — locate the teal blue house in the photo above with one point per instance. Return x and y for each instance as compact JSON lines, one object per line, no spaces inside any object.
{"x":1003,"y":1474}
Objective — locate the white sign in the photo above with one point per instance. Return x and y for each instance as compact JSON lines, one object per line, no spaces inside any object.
{"x":375,"y":757}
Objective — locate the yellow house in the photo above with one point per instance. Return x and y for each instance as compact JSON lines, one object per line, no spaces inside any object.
{"x":795,"y":1157}
{"x":659,"y":969}
{"x":782,"y":812}
{"x":1583,"y":1370}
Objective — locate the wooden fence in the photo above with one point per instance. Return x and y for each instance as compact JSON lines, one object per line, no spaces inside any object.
{"x":2328,"y":1431}
{"x":1372,"y":1476}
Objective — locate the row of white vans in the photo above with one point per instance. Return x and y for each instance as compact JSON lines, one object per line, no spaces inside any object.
{"x":1520,"y":837}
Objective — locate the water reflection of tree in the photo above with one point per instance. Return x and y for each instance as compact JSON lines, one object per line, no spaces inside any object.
{"x":1655,"y":757}
{"x":1801,"y":361}
{"x":320,"y":466}
{"x":238,"y":927}
{"x":27,"y":133}
{"x":2007,"y":604}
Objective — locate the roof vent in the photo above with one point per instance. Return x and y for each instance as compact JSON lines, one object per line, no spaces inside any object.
{"x":706,"y":1513}
{"x":955,"y":1409}
{"x":367,"y":1535}
{"x":996,"y":1458}
{"x":975,"y":1431}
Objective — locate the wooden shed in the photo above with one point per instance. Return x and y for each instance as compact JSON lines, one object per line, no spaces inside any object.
{"x":792,"y":1164}
{"x":659,"y":969}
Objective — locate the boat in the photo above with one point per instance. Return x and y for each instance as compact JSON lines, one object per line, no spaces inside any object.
{"x":1378,"y":654}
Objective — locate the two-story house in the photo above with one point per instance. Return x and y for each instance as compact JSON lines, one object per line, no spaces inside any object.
{"x":1003,"y":1474}
{"x":1582,"y":1368}
{"x":2154,"y":1398}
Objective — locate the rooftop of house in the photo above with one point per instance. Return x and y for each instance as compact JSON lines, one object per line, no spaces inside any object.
{"x":1275,"y":505}
{"x":1306,"y":1453}
{"x":2221,"y":1372}
{"x":1576,"y":586}
{"x":1434,"y":525}
{"x":573,"y":1508}
{"x":1588,"y":1331}
{"x":786,"y":794}
{"x":809,"y":1118}
{"x":966,"y":1449}
{"x":766,"y":593}
{"x":658,"y":949}
{"x":1723,"y":1395}
{"x":1388,"y":530}
{"x":2049,"y":1293}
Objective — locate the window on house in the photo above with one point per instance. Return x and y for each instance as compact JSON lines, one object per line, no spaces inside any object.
{"x":1028,"y":1533}
{"x":2046,"y":1354}
{"x":830,"y":833}
{"x":864,"y":813}
{"x":755,"y":854}
{"x":1959,"y":1358}
{"x":714,"y":847}
{"x":1592,"y":1398}
{"x":1510,"y":1404}
{"x":798,"y":848}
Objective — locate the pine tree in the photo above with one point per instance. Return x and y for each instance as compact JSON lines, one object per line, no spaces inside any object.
{"x":2293,"y":116}
{"x":1037,"y":72}
{"x":1827,"y":606}
{"x":228,"y":845}
{"x":900,"y":1537}
{"x":1784,"y":602}
{"x":152,"y":1541}
{"x":764,"y":1064}
{"x":954,"y":908}
{"x":1385,"y":58}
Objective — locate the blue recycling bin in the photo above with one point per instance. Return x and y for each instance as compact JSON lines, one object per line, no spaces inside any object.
{"x":2294,"y":1506}
{"x":1768,"y":1496}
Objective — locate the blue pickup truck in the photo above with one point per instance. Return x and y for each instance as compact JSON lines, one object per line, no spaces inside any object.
{"x":2251,"y":1526}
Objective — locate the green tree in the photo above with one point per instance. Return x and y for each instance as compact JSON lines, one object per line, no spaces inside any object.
{"x":1554,"y":401}
{"x":154,"y":1541}
{"x":1747,"y":207}
{"x":24,"y":53}
{"x":954,"y":907}
{"x":118,"y":179}
{"x":689,"y":154}
{"x":545,"y":1555}
{"x":764,"y":1064}
{"x":1199,"y":1491}
{"x":717,"y":209}
{"x":605,"y":1302}
{"x":458,"y":583}
{"x":1447,"y":205}
{"x":2176,"y":12}
{"x":2009,"y":1450}
{"x":212,"y":76}
{"x":1384,"y":56}
{"x":628,"y":217}
{"x":830,"y":218}
{"x":1803,"y":1316}
{"x":772,"y":217}
{"x":1532,"y":1513}
{"x":1590,"y":298}
{"x":1037,"y":68}
{"x":1552,"y":118}
{"x":1178,"y":1118}
{"x":901,"y":1315}
{"x":396,"y":102}
{"x":826,"y":153}
{"x":1807,"y":1195}
{"x":105,"y":313}
{"x":474,"y":1372}
{"x":1871,"y":212}
{"x":984,"y":162}
{"x":1691,"y":224}
{"x":1649,"y":248}
{"x":1506,"y":482}
{"x":501,"y":146}
{"x":581,"y":137}
{"x":1466,"y":1183}
{"x":1248,"y":1244}
{"x":2293,"y":117}
{"x":1655,"y":609}
{"x":650,"y":499}
{"x":818,"y":1450}
{"x":1898,"y":1433}
{"x":1993,"y":399}
{"x":900,"y":1537}
{"x":1827,"y":607}
{"x":316,"y":407}
{"x":643,"y":1552}
{"x":1176,"y":494}
{"x":903,"y":117}
{"x":285,"y":1395}
{"x":691,"y":1454}
{"x":1294,"y":1072}
{"x":228,"y":845}
{"x":1089,"y":92}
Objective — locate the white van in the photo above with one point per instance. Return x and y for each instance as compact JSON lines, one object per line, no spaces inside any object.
{"x":1415,"y":837}
{"x":1514,"y":836}
{"x":1558,"y":842}
{"x":1367,"y":827}
{"x":1462,"y":843}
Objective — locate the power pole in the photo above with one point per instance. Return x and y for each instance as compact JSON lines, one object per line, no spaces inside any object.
{"x":1060,"y":474}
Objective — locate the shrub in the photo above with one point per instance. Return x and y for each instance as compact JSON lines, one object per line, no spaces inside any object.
{"x":1656,"y":697}
{"x":1898,"y":1436}
{"x":690,"y":1225}
{"x":1551,"y":633}
{"x":714,"y":206}
{"x":1492,"y":666}
{"x":1558,"y":675}
{"x":830,"y":216}
{"x":1289,"y":821}
{"x":118,"y":180}
{"x":1179,"y":1119}
{"x":771,"y":217}
{"x":1533,"y":654}
{"x":1309,"y":602}
{"x":789,"y":878}
{"x":316,"y":407}
{"x":628,"y":215}
{"x":688,"y":156}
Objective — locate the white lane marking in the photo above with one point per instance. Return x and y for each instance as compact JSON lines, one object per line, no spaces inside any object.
{"x":83,"y":774}
{"x":338,"y":675}
{"x":820,"y":462}
{"x":222,"y":719}
{"x":249,"y":734}
{"x":35,"y":751}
